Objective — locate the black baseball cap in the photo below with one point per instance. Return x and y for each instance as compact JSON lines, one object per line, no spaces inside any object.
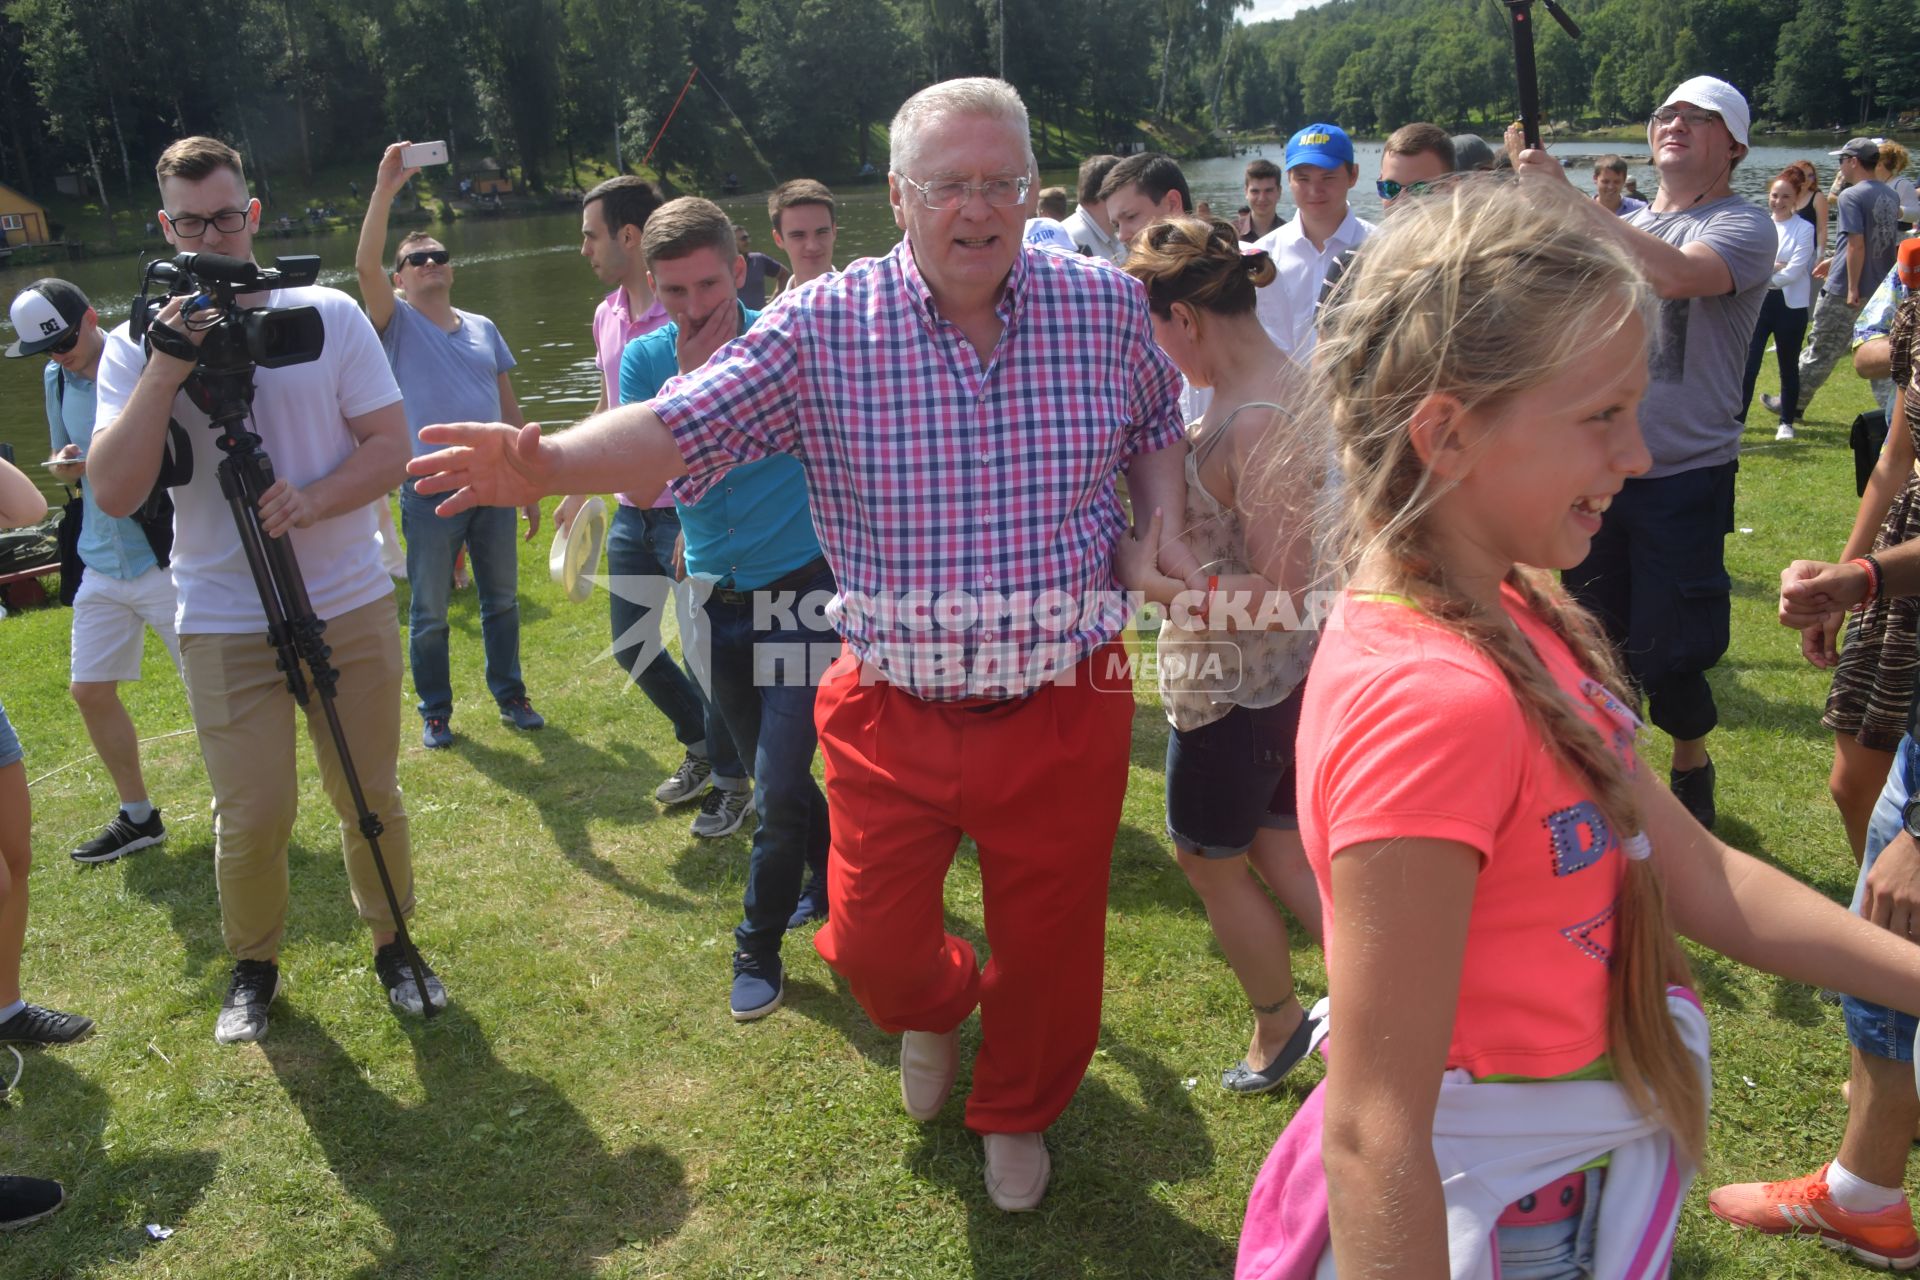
{"x":44,"y":313}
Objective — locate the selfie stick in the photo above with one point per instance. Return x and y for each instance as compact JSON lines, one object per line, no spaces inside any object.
{"x":1521,"y":12}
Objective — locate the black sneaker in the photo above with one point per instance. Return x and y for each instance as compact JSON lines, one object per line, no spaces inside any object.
{"x":24,"y":1201}
{"x":243,"y":1014}
{"x":122,"y":836}
{"x":390,"y":962}
{"x":34,"y":1025}
{"x":1694,"y":787}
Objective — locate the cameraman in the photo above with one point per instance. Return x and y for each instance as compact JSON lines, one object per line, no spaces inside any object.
{"x":337,"y":435}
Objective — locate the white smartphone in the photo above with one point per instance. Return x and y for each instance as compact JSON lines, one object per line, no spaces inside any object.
{"x":417,"y":154}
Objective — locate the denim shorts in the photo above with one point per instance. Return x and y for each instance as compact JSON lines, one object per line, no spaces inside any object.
{"x":1561,"y":1250}
{"x":9,"y":741}
{"x":1873,"y":1028}
{"x":1228,"y":779}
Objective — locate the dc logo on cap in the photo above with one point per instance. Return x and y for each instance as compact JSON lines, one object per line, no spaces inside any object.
{"x":49,"y":326}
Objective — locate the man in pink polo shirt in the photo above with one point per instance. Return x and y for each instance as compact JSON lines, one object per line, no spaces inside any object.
{"x":640,"y":545}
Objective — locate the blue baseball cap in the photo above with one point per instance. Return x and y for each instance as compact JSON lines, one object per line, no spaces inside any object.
{"x":1325,"y":145}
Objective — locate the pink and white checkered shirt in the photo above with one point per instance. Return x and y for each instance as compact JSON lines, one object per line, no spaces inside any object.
{"x":969,"y":514}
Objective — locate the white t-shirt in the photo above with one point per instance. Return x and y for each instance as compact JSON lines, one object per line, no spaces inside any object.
{"x":300,"y":414}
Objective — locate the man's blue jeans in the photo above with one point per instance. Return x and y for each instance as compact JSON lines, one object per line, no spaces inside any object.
{"x":1873,"y":1028}
{"x":763,"y":684}
{"x":432,"y":543}
{"x":639,"y":549}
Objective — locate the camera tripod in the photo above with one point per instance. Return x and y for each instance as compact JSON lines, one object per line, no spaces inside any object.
{"x":292,"y":629}
{"x":1521,"y":13}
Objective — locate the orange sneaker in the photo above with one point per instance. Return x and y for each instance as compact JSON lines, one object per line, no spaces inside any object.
{"x":1884,"y":1238}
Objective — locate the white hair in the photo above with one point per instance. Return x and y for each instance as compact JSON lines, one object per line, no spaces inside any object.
{"x":970,"y":96}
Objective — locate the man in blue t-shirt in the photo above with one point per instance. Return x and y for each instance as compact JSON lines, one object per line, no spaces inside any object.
{"x":125,"y":589}
{"x":452,"y":366}
{"x":750,"y":544}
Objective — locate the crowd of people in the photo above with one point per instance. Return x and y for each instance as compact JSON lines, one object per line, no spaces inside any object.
{"x":904,"y":511}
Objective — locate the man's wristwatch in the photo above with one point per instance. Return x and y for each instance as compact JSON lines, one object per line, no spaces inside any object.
{"x":1910,"y":816}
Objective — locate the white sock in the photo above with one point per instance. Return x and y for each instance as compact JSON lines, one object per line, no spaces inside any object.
{"x":12,"y":1009}
{"x":139,"y":811}
{"x":1856,"y":1195}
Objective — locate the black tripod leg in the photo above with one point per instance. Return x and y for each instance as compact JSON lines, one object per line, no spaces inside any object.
{"x":296,"y":633}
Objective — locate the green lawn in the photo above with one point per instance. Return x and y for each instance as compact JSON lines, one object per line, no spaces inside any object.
{"x":588,"y":1108}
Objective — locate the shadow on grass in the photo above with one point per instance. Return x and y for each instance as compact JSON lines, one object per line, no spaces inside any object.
{"x":1824,"y":875}
{"x":1108,"y":1153}
{"x":57,"y":1129}
{"x":494,"y":1173}
{"x":181,"y":880}
{"x":563,"y":782}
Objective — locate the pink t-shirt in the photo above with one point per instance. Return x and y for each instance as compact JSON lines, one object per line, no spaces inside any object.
{"x":614,"y":326}
{"x":1408,"y":732}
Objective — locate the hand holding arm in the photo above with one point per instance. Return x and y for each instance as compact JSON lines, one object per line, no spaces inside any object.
{"x":366,"y":475}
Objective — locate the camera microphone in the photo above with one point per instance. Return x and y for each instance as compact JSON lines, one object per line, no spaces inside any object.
{"x":219,"y":268}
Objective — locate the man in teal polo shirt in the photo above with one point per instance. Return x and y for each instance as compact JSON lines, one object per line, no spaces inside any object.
{"x":751,"y":547}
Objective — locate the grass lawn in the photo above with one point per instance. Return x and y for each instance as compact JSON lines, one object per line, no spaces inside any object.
{"x":587,"y":1107}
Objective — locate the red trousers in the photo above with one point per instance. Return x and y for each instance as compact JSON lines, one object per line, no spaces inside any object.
{"x":1038,"y":785}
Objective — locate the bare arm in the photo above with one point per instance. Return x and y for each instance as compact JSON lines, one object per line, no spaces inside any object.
{"x":1158,"y":482}
{"x":1889,"y":477}
{"x":1856,"y":263}
{"x":511,"y":415}
{"x":1695,"y":270}
{"x":490,"y":464}
{"x":1399,"y":938}
{"x":369,"y":258}
{"x":1761,"y":916}
{"x":366,"y":475}
{"x":123,"y":459}
{"x":1874,"y":359}
{"x":20,"y":502}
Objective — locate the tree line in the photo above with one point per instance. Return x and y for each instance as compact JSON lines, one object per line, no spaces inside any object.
{"x":1373,"y":65}
{"x":99,"y":87}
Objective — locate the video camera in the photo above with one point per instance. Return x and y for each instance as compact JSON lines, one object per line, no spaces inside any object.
{"x":238,"y":339}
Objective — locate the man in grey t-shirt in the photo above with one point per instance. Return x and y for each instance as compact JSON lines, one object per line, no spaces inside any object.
{"x":1868,"y":216}
{"x":1656,"y":573}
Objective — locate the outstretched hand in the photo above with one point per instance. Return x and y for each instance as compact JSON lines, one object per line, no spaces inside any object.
{"x":486,"y":464}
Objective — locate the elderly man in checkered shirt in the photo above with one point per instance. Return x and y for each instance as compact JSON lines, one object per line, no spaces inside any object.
{"x":963,"y":408}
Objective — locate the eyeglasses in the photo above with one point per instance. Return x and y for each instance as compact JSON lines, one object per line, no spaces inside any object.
{"x":1695,"y":118}
{"x":421,"y":257}
{"x":1002,"y":193}
{"x":1391,"y":190}
{"x":227,"y":221}
{"x":65,"y":344}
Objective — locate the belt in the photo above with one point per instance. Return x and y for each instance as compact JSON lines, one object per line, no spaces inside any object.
{"x":1559,"y":1200}
{"x":798,"y":578}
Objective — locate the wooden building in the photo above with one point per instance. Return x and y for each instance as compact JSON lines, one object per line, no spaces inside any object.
{"x":22,"y":221}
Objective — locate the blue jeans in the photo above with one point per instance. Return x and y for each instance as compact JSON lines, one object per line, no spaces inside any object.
{"x":1873,"y":1028}
{"x":10,"y":752}
{"x":432,"y":543}
{"x":1560,"y":1250}
{"x":763,"y":683}
{"x":639,"y":546}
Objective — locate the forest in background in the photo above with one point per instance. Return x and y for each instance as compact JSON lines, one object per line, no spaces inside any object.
{"x":98,"y":88}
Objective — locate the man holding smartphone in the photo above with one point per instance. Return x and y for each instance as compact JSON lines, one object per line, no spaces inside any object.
{"x":449,"y":363}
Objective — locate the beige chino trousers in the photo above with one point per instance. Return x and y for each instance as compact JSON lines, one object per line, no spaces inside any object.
{"x":243,"y":715}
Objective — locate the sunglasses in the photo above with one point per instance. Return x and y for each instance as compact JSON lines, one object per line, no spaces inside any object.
{"x":421,"y":257}
{"x":1696,"y":119}
{"x":65,"y":344}
{"x":1391,"y":190}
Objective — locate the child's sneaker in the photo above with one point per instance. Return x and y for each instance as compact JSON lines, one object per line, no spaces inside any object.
{"x":1885,"y":1238}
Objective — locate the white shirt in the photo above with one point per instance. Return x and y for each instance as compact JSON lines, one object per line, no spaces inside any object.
{"x":1088,"y":233}
{"x":1287,"y":305}
{"x":300,"y":414}
{"x":1794,"y":276}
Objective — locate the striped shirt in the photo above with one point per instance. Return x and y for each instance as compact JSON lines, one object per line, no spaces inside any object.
{"x":969,"y":513}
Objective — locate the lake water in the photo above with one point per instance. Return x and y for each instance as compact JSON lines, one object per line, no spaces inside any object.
{"x":526,"y":273}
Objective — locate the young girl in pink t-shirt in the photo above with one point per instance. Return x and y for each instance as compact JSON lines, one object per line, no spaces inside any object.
{"x":1499,"y":943}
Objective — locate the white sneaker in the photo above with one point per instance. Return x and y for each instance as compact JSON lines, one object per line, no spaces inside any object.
{"x":1783,"y":432}
{"x":721,"y":813}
